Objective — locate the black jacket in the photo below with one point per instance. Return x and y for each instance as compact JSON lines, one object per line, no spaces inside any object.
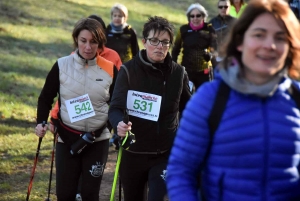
{"x":125,"y":44}
{"x":169,"y":81}
{"x":221,"y":26}
{"x":194,"y":44}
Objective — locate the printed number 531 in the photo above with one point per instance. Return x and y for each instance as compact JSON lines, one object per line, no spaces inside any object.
{"x":142,"y":105}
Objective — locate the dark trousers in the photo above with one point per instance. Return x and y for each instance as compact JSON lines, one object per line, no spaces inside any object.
{"x":200,"y":77}
{"x":138,"y":169}
{"x":90,"y":163}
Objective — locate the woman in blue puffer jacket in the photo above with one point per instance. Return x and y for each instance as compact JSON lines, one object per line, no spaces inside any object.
{"x":254,"y":152}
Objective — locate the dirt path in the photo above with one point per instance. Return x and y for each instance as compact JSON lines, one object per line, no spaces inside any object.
{"x":108,"y":177}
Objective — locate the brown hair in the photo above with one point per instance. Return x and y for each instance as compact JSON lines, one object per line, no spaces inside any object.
{"x":242,"y":2}
{"x":91,"y":25}
{"x":281,"y":11}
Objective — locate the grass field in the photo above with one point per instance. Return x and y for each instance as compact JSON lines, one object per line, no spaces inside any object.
{"x":33,"y":34}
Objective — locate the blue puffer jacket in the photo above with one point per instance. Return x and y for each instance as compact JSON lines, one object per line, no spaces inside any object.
{"x":255,"y":151}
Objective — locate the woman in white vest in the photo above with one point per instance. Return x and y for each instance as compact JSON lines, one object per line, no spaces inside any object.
{"x":83,"y":82}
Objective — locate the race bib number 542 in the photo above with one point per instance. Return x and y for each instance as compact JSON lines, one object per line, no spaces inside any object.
{"x":143,"y":105}
{"x":80,"y":108}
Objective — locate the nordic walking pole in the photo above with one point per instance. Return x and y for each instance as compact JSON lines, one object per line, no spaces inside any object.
{"x":34,"y":164}
{"x":52,"y":159}
{"x":112,"y":195}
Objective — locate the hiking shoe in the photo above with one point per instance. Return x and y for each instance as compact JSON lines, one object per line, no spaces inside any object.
{"x":78,"y":197}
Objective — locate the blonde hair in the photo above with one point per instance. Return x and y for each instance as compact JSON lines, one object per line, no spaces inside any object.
{"x":121,"y":8}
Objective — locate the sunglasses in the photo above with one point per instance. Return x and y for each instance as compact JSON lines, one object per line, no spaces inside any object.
{"x":221,"y":7}
{"x":197,"y":16}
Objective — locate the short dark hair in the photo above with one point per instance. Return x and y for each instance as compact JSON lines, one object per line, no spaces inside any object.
{"x":158,"y":24}
{"x":242,"y":2}
{"x":99,"y":19}
{"x":281,"y":11}
{"x":91,"y":25}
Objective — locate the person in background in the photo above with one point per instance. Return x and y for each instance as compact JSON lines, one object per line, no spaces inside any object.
{"x":83,"y":82}
{"x":295,"y":6}
{"x":197,"y":40}
{"x":221,"y":23}
{"x":121,"y":37}
{"x":253,"y":154}
{"x":154,"y":91}
{"x":105,"y":52}
{"x":237,"y":7}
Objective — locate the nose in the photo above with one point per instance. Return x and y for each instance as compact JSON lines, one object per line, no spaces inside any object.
{"x":88,"y":45}
{"x":269,"y":43}
{"x":160,"y":45}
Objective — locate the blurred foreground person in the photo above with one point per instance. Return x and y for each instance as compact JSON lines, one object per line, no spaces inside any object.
{"x":253,"y":153}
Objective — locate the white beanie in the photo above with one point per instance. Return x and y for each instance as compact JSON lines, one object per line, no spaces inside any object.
{"x":199,"y":7}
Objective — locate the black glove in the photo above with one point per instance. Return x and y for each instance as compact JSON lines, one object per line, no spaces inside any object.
{"x":130,"y":138}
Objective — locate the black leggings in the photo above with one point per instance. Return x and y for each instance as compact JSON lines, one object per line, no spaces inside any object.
{"x":198,"y":78}
{"x":90,"y":163}
{"x":138,"y":169}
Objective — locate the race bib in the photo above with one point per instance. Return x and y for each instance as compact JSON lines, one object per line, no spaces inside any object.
{"x":143,"y":105}
{"x":80,"y":108}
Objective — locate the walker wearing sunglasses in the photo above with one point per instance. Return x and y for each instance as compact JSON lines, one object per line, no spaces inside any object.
{"x":197,"y":41}
{"x":221,"y":23}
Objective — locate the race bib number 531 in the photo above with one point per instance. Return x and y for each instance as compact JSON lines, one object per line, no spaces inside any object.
{"x":143,"y":105}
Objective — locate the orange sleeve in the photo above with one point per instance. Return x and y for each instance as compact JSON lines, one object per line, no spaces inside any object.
{"x":54,"y":111}
{"x":118,"y":63}
{"x":106,"y":65}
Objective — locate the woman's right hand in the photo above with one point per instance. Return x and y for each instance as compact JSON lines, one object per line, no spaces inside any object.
{"x":40,"y":131}
{"x":123,"y":128}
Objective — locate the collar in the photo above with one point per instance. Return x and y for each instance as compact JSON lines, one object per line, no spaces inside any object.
{"x":232,"y":75}
{"x":83,"y":61}
{"x":166,"y":64}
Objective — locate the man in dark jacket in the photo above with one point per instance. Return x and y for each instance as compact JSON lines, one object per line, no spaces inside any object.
{"x":221,"y":23}
{"x":153,"y":89}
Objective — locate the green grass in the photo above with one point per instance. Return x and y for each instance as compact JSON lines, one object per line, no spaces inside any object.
{"x":33,"y":34}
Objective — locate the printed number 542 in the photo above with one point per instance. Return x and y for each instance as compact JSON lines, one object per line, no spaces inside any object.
{"x":84,"y":107}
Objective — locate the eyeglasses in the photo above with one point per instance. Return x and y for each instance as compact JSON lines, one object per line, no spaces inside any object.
{"x":221,"y":7}
{"x":155,"y":42}
{"x":197,"y":16}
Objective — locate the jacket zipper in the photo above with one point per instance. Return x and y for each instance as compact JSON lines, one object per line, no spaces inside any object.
{"x":85,"y":85}
{"x":162,"y":103}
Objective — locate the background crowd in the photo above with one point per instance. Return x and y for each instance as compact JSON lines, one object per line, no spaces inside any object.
{"x":214,"y":53}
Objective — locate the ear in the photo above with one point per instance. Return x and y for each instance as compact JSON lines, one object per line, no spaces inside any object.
{"x":240,"y":48}
{"x":144,"y":42}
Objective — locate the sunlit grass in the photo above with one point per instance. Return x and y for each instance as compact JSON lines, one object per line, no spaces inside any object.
{"x":33,"y":35}
{"x":37,"y":33}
